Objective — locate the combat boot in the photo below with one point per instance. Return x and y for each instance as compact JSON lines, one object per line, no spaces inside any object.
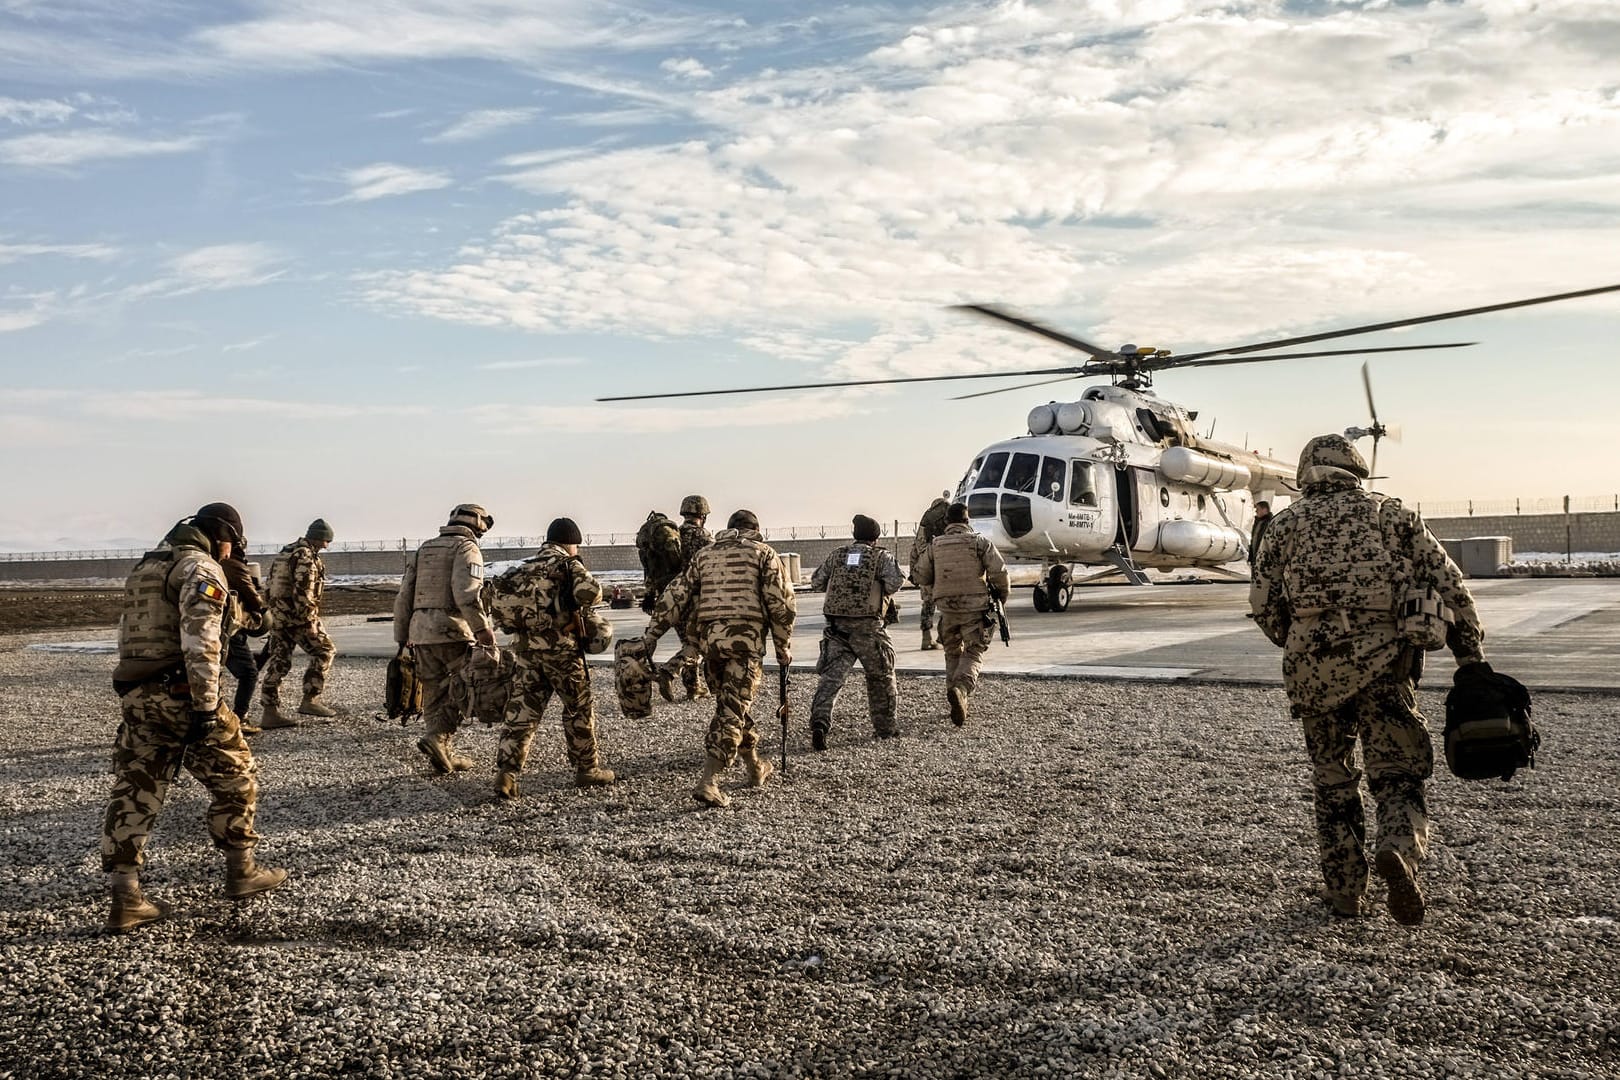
{"x":928,"y":642}
{"x":129,"y":908}
{"x":708,"y":790}
{"x":818,"y":739}
{"x":249,"y":730}
{"x":593,"y":776}
{"x":244,"y":878}
{"x":273,"y":717}
{"x":436,"y":748}
{"x":506,"y":784}
{"x":958,"y":697}
{"x":312,"y":705}
{"x":1405,"y":897}
{"x":694,"y":687}
{"x":759,"y":770}
{"x":459,"y":762}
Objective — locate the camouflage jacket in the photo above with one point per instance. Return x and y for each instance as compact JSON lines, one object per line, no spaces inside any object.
{"x":929,"y":528}
{"x":963,"y":569}
{"x":856,"y":578}
{"x":538,"y":601}
{"x":735,"y":589}
{"x":1343,"y":635}
{"x":297,"y":581}
{"x":694,"y":538}
{"x":440,"y":597}
{"x":178,"y":609}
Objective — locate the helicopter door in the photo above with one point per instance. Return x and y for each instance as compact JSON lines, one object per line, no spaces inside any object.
{"x":1125,"y":502}
{"x":1152,"y":502}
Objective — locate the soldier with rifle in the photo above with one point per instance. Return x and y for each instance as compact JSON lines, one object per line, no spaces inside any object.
{"x":968,"y":579}
{"x":859,"y":578}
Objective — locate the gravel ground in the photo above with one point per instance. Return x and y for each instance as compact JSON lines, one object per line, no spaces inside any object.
{"x":1092,"y":879}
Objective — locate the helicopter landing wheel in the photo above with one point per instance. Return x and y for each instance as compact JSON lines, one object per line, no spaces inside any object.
{"x":1058,"y":589}
{"x":1060,"y":598}
{"x":1043,"y":603}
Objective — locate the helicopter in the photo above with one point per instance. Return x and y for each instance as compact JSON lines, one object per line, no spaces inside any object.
{"x":1118,"y":479}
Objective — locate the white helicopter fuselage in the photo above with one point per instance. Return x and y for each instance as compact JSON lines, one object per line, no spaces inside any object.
{"x":1118,"y":475}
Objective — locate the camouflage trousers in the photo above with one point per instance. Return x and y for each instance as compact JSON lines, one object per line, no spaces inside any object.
{"x":926,"y":620}
{"x":843,"y":643}
{"x":444,"y":698}
{"x":965,"y":638}
{"x":540,"y":674}
{"x":147,"y":758}
{"x":283,"y":640}
{"x":734,"y":671}
{"x":1398,"y":757}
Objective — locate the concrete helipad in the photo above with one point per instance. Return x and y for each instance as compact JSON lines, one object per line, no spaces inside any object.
{"x":1552,"y":634}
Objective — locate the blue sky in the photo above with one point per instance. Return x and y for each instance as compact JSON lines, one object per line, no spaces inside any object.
{"x":365,"y":261}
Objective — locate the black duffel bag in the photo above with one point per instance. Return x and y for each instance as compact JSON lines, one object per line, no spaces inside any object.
{"x":1489,"y":733}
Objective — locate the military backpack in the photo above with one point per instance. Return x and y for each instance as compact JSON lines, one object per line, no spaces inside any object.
{"x":1489,"y":732}
{"x":402,"y":693}
{"x":658,"y":544}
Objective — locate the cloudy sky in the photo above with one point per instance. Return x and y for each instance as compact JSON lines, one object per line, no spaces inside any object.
{"x":367,"y":260}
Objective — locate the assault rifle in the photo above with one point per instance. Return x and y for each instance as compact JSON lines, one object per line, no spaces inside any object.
{"x":782,"y":710}
{"x":998,"y":609}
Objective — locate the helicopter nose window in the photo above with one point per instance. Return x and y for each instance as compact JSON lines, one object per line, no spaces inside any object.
{"x":990,"y":475}
{"x":1082,"y":485}
{"x":982,"y":505}
{"x":1021,"y":474}
{"x":1051,"y":485}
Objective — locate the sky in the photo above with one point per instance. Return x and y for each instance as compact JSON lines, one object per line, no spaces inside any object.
{"x":366,"y":261}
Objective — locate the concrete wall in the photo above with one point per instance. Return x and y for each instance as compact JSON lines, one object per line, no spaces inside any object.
{"x":1538,"y":532}
{"x":600,"y":557}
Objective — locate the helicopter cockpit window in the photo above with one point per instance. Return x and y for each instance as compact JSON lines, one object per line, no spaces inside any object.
{"x":1082,"y":485}
{"x":1022,"y":473}
{"x":968,"y":477}
{"x":990,"y":475}
{"x":1051,"y":482}
{"x":982,"y":505}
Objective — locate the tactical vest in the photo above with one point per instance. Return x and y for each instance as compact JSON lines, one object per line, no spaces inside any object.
{"x":958,"y":569}
{"x":149,"y":628}
{"x":1338,"y":559}
{"x":853,"y":590}
{"x":730,"y":585}
{"x":435,"y":571}
{"x":279,"y":585}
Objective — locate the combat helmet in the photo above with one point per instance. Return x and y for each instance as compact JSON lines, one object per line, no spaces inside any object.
{"x":598,"y":632}
{"x":474,"y":517}
{"x":1333,"y":452}
{"x":694,"y":506}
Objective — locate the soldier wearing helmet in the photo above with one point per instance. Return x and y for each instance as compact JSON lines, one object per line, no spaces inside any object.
{"x":178,"y":612}
{"x":685,"y":663}
{"x":548,"y":604}
{"x":440,"y":615}
{"x":1355,"y":588}
{"x":297,"y":582}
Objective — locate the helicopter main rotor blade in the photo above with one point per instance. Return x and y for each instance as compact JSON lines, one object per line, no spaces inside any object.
{"x":1396,"y":324}
{"x":1182,"y":361}
{"x":1066,"y":371}
{"x":1008,"y":389}
{"x":992,"y":312}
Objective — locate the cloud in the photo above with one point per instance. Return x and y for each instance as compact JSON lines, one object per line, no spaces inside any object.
{"x":482,"y":122}
{"x":36,"y":112}
{"x":686,"y":67}
{"x":508,"y":419}
{"x":383,"y":181}
{"x":10,"y":253}
{"x":54,"y":150}
{"x":538,"y":362}
{"x":215,"y":267}
{"x":169,"y":405}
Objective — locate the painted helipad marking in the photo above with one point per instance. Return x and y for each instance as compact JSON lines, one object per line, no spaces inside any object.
{"x":76,"y":646}
{"x":1102,"y":671}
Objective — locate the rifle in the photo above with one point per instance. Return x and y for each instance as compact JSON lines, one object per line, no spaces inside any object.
{"x":782,"y":710}
{"x":1000,"y":613}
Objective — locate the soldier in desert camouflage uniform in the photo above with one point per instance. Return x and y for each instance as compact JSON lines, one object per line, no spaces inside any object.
{"x":929,"y":528}
{"x":542,"y":601}
{"x":439,"y":613}
{"x":736,"y":595}
{"x":297,"y":580}
{"x":966,"y":573}
{"x":1354,"y":587}
{"x":859,"y":579}
{"x":178,"y":611}
{"x":687,"y":663}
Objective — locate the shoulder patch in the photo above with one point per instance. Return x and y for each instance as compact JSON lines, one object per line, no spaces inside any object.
{"x":476,"y":570}
{"x":209,"y":591}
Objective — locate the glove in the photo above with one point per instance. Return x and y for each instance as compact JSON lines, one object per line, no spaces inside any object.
{"x":649,"y":602}
{"x":998,"y":595}
{"x":486,"y":638}
{"x":203,"y":723}
{"x":784,"y":657}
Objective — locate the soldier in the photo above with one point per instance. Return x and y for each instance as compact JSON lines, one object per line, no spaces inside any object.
{"x":687,"y":663}
{"x":966,"y":574}
{"x":859,"y":579}
{"x":178,"y":610}
{"x":240,"y":660}
{"x":440,"y":615}
{"x":734,"y":593}
{"x":297,"y":580}
{"x":929,"y":530}
{"x":1257,"y":531}
{"x":1354,"y":587}
{"x":543,"y":601}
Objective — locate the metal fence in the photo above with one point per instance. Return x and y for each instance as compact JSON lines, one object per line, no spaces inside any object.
{"x":1563,"y":504}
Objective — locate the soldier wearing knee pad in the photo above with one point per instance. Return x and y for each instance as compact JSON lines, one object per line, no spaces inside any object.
{"x":858,"y":578}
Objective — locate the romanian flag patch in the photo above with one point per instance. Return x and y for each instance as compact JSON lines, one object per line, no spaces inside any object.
{"x":209,"y":591}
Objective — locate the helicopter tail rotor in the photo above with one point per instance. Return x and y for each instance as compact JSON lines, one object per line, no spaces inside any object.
{"x":1379,"y":430}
